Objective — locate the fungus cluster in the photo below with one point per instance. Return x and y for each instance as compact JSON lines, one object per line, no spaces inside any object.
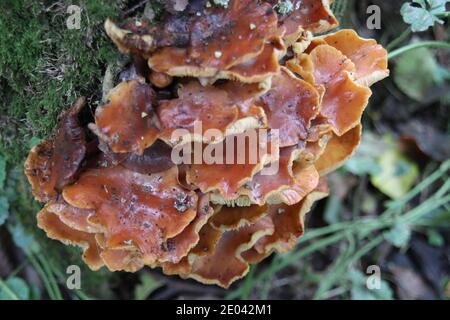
{"x":113,"y":186}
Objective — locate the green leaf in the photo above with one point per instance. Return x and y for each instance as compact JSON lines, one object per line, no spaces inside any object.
{"x":4,"y":209}
{"x":417,"y":73}
{"x":435,"y":238}
{"x":361,"y":165}
{"x":399,"y":236}
{"x":423,"y":16}
{"x":23,"y":239}
{"x":385,"y":292}
{"x":437,"y":6}
{"x":356,"y":277}
{"x":146,"y":287}
{"x":364,"y":160}
{"x":16,"y":288}
{"x":397,"y":176}
{"x":361,"y":293}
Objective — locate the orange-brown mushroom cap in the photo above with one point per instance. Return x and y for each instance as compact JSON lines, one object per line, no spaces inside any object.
{"x":225,"y":265}
{"x":156,"y":158}
{"x":208,"y":239}
{"x":289,"y":186}
{"x":232,"y":218}
{"x":257,"y":69}
{"x":290,"y":106}
{"x":343,"y":100}
{"x":338,"y":150}
{"x":127,"y":259}
{"x":73,"y":217}
{"x":40,"y":173}
{"x":198,"y":109}
{"x":52,"y":164}
{"x":289,"y":222}
{"x":369,"y":57}
{"x":219,"y":39}
{"x":134,"y":209}
{"x":122,"y":259}
{"x":182,"y":243}
{"x":288,"y":182}
{"x":57,"y":230}
{"x":311,"y":15}
{"x":127,"y":123}
{"x":239,"y":156}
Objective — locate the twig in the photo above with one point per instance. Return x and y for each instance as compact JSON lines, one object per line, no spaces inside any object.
{"x":413,"y":46}
{"x":403,"y":36}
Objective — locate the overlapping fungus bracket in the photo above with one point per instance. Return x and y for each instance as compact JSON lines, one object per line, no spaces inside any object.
{"x":245,"y":162}
{"x":127,"y":123}
{"x":75,"y":218}
{"x":56,"y":229}
{"x":344,"y":100}
{"x":225,"y":264}
{"x":209,"y":108}
{"x":206,"y":41}
{"x":293,"y":180}
{"x":203,"y":31}
{"x":310,"y":15}
{"x":121,"y":195}
{"x":288,"y":222}
{"x":238,"y":33}
{"x":290,"y":105}
{"x":145,"y":211}
{"x":52,"y":164}
{"x":157,"y":158}
{"x":256,"y":69}
{"x":367,"y":55}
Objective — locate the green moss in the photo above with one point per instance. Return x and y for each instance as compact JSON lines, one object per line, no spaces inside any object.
{"x":44,"y":66}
